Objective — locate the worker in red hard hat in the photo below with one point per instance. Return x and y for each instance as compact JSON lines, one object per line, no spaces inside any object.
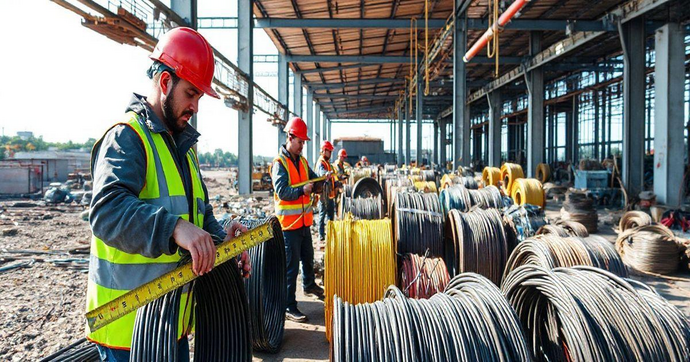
{"x":149,"y":199}
{"x":342,"y":168}
{"x":326,"y":207}
{"x":364,"y":162}
{"x":293,"y":207}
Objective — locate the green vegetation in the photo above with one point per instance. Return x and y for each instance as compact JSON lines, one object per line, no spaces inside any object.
{"x":9,"y":145}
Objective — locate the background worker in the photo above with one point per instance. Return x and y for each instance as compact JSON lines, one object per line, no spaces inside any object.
{"x":149,"y":199}
{"x":326,"y":207}
{"x":364,"y":162}
{"x":293,"y":207}
{"x":341,"y":166}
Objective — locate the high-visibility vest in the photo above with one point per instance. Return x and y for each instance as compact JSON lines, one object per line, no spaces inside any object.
{"x":113,"y":272}
{"x":327,"y":165}
{"x":298,"y":213}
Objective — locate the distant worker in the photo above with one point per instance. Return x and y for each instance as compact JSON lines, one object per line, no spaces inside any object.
{"x":364,"y":162}
{"x":342,"y":168}
{"x":293,"y":207}
{"x":149,"y":199}
{"x":323,"y":167}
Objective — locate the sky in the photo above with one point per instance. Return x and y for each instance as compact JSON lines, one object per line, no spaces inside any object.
{"x":64,"y":82}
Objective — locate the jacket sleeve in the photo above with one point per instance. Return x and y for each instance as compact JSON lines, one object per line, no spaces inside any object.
{"x":118,"y":216}
{"x":320,"y":170}
{"x":312,"y":174}
{"x":281,"y":183}
{"x":211,"y":225}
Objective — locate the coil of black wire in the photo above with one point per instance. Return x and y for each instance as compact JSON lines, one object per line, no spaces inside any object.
{"x":266,"y":287}
{"x":487,"y":197}
{"x":82,"y":350}
{"x":455,"y":197}
{"x":476,"y":242}
{"x":366,"y":187}
{"x":363,"y":209}
{"x":589,"y":314}
{"x":418,"y":223}
{"x":579,"y":207}
{"x":470,"y":321}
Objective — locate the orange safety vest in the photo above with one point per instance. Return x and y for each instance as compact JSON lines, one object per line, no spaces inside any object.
{"x":298,"y":213}
{"x":327,"y":165}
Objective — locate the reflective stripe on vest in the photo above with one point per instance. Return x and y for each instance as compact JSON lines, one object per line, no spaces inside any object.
{"x":298,"y":213}
{"x":113,"y":272}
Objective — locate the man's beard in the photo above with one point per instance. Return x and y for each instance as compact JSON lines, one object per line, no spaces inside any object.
{"x":169,"y":115}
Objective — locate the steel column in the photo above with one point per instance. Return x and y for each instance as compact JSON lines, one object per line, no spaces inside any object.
{"x":669,"y":114}
{"x":283,"y":93}
{"x":399,"y":154}
{"x":420,"y":116}
{"x":434,"y":152}
{"x":495,"y":108}
{"x":297,"y":94}
{"x":245,"y":44}
{"x":187,"y":10}
{"x":408,"y":128}
{"x":461,"y":125}
{"x":444,"y":143}
{"x":535,"y":113}
{"x":318,"y":136}
{"x":310,"y":127}
{"x":575,"y":131}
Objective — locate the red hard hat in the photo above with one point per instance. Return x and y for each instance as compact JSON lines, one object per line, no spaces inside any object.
{"x":298,"y":128}
{"x":327,"y":146}
{"x":342,"y":153}
{"x":189,"y":55}
{"x":364,"y":158}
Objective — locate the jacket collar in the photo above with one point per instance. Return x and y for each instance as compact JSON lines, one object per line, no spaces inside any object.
{"x":138,"y":104}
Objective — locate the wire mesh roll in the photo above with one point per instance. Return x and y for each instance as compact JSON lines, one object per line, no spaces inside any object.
{"x":426,"y":186}
{"x":553,"y":251}
{"x":421,"y":276}
{"x":526,"y":221}
{"x":82,"y":350}
{"x":543,"y":173}
{"x":487,"y":197}
{"x":359,"y":262}
{"x":491,"y":176}
{"x":588,"y":314}
{"x":650,"y":248}
{"x":580,"y":208}
{"x":633,"y":219}
{"x":266,"y":287}
{"x":418,"y":222}
{"x":476,"y":242}
{"x":509,"y":173}
{"x":455,"y":197}
{"x":470,"y":321}
{"x":366,"y":209}
{"x":528,"y":191}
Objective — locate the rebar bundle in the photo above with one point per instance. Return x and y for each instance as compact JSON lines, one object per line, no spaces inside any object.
{"x":650,"y":248}
{"x":588,"y":314}
{"x":360,"y":208}
{"x":422,"y":276}
{"x":470,"y":321}
{"x":580,"y":208}
{"x":418,"y":223}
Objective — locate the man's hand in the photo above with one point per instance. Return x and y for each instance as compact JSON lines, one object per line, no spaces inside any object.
{"x":329,"y":176}
{"x":244,"y":264}
{"x":308,"y":188}
{"x":234,"y":229}
{"x":199,"y":244}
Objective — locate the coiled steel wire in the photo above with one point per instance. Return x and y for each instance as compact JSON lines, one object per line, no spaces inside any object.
{"x":650,"y":248}
{"x":588,"y":314}
{"x":401,"y":185}
{"x":359,"y":173}
{"x":426,"y":186}
{"x":525,"y":221}
{"x":491,"y":176}
{"x":422,"y":276}
{"x":509,"y":173}
{"x":366,"y":187}
{"x":573,"y":228}
{"x":633,"y":219}
{"x":455,"y":197}
{"x":82,"y":350}
{"x":543,"y":172}
{"x":367,"y":209}
{"x":359,"y":262}
{"x":551,"y":229}
{"x":347,"y":190}
{"x":580,"y":208}
{"x":476,"y":242}
{"x":418,"y":223}
{"x":528,"y":191}
{"x":470,"y":321}
{"x":449,"y":180}
{"x":487,"y":197}
{"x":553,"y":251}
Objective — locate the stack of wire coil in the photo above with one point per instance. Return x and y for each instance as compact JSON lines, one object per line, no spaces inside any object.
{"x":266,"y":287}
{"x":588,"y":314}
{"x":422,"y":276}
{"x":525,"y":221}
{"x":449,"y":180}
{"x":426,"y":186}
{"x":455,"y":197}
{"x":491,"y":176}
{"x":509,"y":173}
{"x":366,"y":187}
{"x":470,"y":321}
{"x":393,"y":187}
{"x":359,"y":262}
{"x":359,"y":173}
{"x":476,"y":242}
{"x":81,"y":350}
{"x":579,"y":207}
{"x":528,"y":191}
{"x":573,"y":228}
{"x":487,"y":197}
{"x":361,"y":208}
{"x":650,"y":248}
{"x":552,"y":251}
{"x":418,"y":223}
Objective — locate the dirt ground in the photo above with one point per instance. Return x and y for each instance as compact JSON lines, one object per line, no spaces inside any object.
{"x":42,"y":304}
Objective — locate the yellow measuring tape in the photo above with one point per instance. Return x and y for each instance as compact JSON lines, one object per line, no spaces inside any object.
{"x":142,"y":295}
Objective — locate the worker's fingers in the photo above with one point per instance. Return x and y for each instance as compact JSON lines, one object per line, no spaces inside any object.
{"x":209,"y":253}
{"x":195,"y":259}
{"x":203,"y":256}
{"x":212,"y":253}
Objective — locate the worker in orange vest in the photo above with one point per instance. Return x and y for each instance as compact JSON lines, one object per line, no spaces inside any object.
{"x":293,"y":207}
{"x":326,"y":207}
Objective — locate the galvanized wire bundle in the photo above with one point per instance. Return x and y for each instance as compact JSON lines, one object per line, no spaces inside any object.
{"x":426,"y":186}
{"x":580,"y":208}
{"x":633,"y":219}
{"x":455,"y":197}
{"x":394,"y":187}
{"x":552,"y":251}
{"x":422,"y":276}
{"x":476,"y":242}
{"x":491,"y":176}
{"x":418,"y":223}
{"x":650,"y":248}
{"x":528,"y":191}
{"x":81,"y":350}
{"x":509,"y":173}
{"x":525,"y":221}
{"x":470,"y":321}
{"x":449,"y":180}
{"x":359,"y":262}
{"x":487,"y":197}
{"x":588,"y":314}
{"x":360,"y":208}
{"x":366,"y":187}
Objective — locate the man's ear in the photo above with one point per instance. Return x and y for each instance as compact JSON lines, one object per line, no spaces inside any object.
{"x":165,"y":82}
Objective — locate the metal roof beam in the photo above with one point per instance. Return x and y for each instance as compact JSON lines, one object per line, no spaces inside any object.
{"x":379,"y":59}
{"x":353,"y":96}
{"x":316,"y":86}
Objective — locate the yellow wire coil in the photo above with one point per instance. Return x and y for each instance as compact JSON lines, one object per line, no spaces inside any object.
{"x":543,"y":172}
{"x":528,"y":191}
{"x":491,"y":176}
{"x":509,"y":173}
{"x":426,"y":187}
{"x":359,"y":262}
{"x":447,"y":181}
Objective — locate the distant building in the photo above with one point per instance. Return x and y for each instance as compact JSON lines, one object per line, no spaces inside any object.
{"x":56,"y":165}
{"x":357,"y":147}
{"x":25,"y":135}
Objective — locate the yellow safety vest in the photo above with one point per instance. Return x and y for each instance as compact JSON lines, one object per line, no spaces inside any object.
{"x":113,"y":272}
